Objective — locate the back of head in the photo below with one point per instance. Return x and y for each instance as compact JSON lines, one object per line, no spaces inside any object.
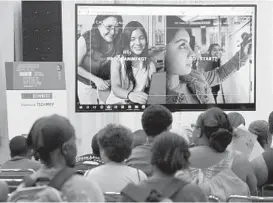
{"x":170,"y":153}
{"x":18,"y":146}
{"x":115,"y":142}
{"x":139,"y":138}
{"x":261,"y":129}
{"x":95,"y":145}
{"x":50,"y":133}
{"x":215,"y":126}
{"x":156,"y":119}
{"x":236,"y":119}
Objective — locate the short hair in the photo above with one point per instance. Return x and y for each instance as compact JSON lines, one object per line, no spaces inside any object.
{"x":18,"y":146}
{"x":95,"y":145}
{"x":49,"y":133}
{"x":156,"y":119}
{"x":270,"y":122}
{"x":170,"y":153}
{"x":116,"y":142}
{"x":236,"y":119}
{"x":260,"y":128}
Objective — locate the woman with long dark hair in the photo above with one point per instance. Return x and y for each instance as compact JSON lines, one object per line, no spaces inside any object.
{"x":186,"y":85}
{"x":94,"y":49}
{"x":131,"y":71}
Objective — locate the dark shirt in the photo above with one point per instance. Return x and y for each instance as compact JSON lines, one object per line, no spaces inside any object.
{"x":19,"y":162}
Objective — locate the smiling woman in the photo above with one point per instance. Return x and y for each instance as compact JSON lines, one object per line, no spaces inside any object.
{"x":131,"y":71}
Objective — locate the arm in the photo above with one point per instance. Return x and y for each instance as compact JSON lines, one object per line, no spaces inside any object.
{"x":260,"y":170}
{"x":81,"y":53}
{"x":135,"y":97}
{"x":218,"y":75}
{"x":116,"y":80}
{"x":239,"y":60}
{"x":152,"y":69}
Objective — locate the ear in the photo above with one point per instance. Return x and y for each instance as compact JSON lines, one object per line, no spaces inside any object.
{"x":65,"y":148}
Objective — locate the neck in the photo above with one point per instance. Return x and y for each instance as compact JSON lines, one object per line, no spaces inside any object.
{"x":150,"y":139}
{"x":172,"y":81}
{"x":159,"y":174}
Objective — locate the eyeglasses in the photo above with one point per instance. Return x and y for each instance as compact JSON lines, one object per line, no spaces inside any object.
{"x":109,"y":28}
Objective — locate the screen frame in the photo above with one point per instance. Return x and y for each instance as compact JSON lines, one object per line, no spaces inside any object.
{"x":172,"y":107}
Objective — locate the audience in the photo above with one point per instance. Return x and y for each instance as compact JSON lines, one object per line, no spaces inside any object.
{"x":155,"y":120}
{"x":261,"y":129}
{"x":115,"y":143}
{"x":170,"y":153}
{"x":122,"y":160}
{"x":236,"y":119}
{"x":20,"y":155}
{"x":4,"y":191}
{"x":211,"y":165}
{"x":139,"y":138}
{"x":53,"y":137}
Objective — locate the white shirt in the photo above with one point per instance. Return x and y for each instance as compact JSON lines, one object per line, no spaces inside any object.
{"x":113,"y":177}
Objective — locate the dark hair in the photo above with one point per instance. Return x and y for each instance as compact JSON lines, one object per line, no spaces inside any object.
{"x":156,"y":119}
{"x":216,"y":127}
{"x":170,"y":153}
{"x":217,"y":63}
{"x":236,"y":119}
{"x":95,"y":145}
{"x":125,"y":46}
{"x":48,"y":134}
{"x":96,"y":37}
{"x":18,"y":146}
{"x":261,"y":129}
{"x":174,"y":24}
{"x":116,"y":141}
{"x":270,"y":122}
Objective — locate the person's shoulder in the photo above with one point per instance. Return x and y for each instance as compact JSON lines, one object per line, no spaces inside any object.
{"x":97,"y":170}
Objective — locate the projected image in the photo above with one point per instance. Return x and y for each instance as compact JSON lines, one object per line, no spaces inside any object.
{"x":186,"y":58}
{"x":209,"y":59}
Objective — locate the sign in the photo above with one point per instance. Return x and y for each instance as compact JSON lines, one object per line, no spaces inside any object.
{"x":34,"y":89}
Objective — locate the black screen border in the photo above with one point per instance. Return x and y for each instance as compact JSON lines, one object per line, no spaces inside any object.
{"x":172,"y":107}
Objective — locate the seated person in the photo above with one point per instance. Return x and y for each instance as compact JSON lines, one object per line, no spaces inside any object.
{"x":20,"y":155}
{"x":236,"y":119}
{"x":170,"y":153}
{"x":139,"y":138}
{"x":131,"y":72}
{"x":261,"y":129}
{"x":115,"y":143}
{"x":186,"y":85}
{"x":212,"y":164}
{"x":53,"y":137}
{"x":155,"y":120}
{"x":88,"y":161}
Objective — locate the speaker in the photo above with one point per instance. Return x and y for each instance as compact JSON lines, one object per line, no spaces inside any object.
{"x":42,"y":30}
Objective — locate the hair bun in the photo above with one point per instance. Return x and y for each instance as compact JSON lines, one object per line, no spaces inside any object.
{"x":220,"y":139}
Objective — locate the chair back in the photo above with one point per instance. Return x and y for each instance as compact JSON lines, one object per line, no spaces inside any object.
{"x":14,"y":177}
{"x":112,"y":196}
{"x":240,"y":198}
{"x":267,"y":190}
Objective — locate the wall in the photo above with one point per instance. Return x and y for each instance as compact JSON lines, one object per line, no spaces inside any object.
{"x":88,"y":124}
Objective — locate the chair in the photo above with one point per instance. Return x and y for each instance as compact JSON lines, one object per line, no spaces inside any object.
{"x":112,"y":196}
{"x":267,"y":190}
{"x":249,"y":198}
{"x":14,"y":177}
{"x":212,"y":198}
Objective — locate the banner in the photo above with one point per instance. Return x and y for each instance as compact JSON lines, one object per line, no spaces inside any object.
{"x":34,"y":89}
